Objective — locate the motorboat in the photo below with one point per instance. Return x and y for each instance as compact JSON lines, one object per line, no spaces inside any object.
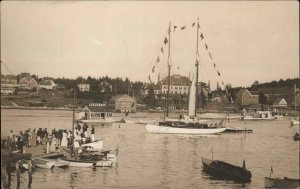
{"x":223,"y":170}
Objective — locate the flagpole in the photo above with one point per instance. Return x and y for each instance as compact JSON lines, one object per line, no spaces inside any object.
{"x":169,"y":70}
{"x":197,"y":67}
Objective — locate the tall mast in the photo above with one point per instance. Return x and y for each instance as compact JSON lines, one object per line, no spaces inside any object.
{"x":197,"y":67}
{"x":73,"y":120}
{"x":295,"y":91}
{"x":169,"y":70}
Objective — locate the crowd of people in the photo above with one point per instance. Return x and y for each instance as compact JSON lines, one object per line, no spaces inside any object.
{"x":55,"y":138}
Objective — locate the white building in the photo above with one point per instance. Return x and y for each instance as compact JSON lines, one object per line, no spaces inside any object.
{"x":84,"y":87}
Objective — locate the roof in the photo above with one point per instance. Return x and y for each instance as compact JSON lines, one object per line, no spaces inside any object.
{"x":277,"y":100}
{"x":45,"y":82}
{"x":176,"y":80}
{"x":254,"y":92}
{"x":98,"y":107}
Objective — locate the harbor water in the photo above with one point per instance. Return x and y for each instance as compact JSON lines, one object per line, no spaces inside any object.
{"x":148,"y":160}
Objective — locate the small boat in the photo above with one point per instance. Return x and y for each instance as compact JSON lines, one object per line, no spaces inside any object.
{"x":183,"y":129}
{"x":297,"y":136}
{"x":258,"y":115}
{"x":294,"y":122}
{"x":96,"y":145}
{"x":237,"y":130}
{"x":223,"y":170}
{"x":284,"y":183}
{"x":86,"y":162}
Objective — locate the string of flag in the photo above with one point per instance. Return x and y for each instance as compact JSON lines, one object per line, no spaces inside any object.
{"x":176,"y":28}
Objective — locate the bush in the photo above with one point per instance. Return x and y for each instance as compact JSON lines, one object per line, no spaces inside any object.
{"x":44,"y":100}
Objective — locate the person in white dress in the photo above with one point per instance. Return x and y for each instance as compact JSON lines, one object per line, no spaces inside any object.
{"x":64,"y":140}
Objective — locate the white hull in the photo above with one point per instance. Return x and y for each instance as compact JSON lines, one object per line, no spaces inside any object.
{"x":257,"y":118}
{"x":96,"y":145}
{"x":77,"y":164}
{"x":99,"y":163}
{"x":294,"y":122}
{"x":175,"y":130}
{"x":98,"y":120}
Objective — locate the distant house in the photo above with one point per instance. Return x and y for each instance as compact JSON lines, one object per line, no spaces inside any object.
{"x":274,"y":93}
{"x":280,"y":102}
{"x":47,"y":84}
{"x":178,"y":85}
{"x":8,"y":84}
{"x":123,"y":103}
{"x":84,"y":87}
{"x":245,"y":97}
{"x":28,"y":83}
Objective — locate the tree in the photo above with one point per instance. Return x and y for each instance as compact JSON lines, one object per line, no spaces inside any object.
{"x":262,"y":98}
{"x":150,"y":98}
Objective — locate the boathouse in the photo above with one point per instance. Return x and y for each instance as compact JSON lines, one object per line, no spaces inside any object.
{"x":94,"y":111}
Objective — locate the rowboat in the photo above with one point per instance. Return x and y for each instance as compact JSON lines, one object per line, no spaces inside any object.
{"x":86,"y":163}
{"x":284,"y":183}
{"x":223,"y":170}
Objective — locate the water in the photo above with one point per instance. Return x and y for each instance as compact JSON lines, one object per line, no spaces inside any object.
{"x":164,"y":161}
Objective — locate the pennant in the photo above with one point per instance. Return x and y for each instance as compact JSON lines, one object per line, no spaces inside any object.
{"x":174,"y":28}
{"x":219,"y":73}
{"x":178,"y":67}
{"x":202,"y":37}
{"x":153,"y":69}
{"x":157,"y":60}
{"x":132,"y":105}
{"x":126,"y":113}
{"x":162,"y":50}
{"x":166,"y":41}
{"x":206,"y":46}
{"x":183,"y":27}
{"x":214,"y":66}
{"x":149,"y":79}
{"x":193,"y":24}
{"x":210,"y":55}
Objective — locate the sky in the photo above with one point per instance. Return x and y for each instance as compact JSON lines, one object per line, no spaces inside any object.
{"x":248,"y":40}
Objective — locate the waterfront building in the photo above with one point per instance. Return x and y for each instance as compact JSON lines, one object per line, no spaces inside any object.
{"x":245,"y":97}
{"x":178,"y":85}
{"x":28,"y":83}
{"x":95,"y":111}
{"x":123,"y":103}
{"x":280,"y":102}
{"x":9,"y":84}
{"x":47,"y":84}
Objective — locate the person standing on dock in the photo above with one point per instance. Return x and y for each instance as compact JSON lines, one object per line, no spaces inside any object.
{"x":85,"y":128}
{"x":93,"y":133}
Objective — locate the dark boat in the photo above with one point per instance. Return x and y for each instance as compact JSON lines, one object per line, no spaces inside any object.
{"x":238,"y":130}
{"x":284,"y":183}
{"x":223,"y":170}
{"x":297,"y":136}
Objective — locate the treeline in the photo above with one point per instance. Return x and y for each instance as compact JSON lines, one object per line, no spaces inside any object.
{"x":102,"y":85}
{"x":280,"y":83}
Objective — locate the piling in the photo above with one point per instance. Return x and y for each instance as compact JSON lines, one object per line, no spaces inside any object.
{"x":18,"y":173}
{"x":29,"y":173}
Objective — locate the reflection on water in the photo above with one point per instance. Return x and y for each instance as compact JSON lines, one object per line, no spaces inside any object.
{"x":164,"y":161}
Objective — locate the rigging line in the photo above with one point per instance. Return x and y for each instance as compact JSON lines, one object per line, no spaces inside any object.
{"x":6,"y":67}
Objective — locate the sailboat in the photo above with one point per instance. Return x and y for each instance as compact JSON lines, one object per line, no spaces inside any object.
{"x":189,"y":124}
{"x":88,"y":160}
